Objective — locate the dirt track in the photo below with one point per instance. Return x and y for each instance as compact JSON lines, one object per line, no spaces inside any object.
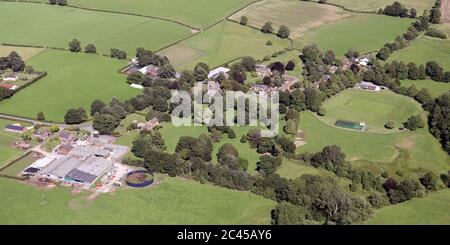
{"x":445,"y":8}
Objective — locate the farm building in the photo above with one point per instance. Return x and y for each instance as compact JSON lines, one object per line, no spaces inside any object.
{"x":216,"y":72}
{"x":66,"y":137}
{"x":64,"y":149}
{"x":263,"y":70}
{"x":9,"y":86}
{"x":10,"y":78}
{"x":150,"y":70}
{"x":138,"y":86}
{"x":148,"y":125}
{"x":34,"y":168}
{"x":368,"y":86}
{"x":58,"y":169}
{"x":85,"y":151}
{"x":89,"y":171}
{"x":117,"y":151}
{"x":15,"y":128}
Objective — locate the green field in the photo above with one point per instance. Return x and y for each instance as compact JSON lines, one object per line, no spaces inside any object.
{"x":198,"y":13}
{"x":19,"y":166}
{"x":373,"y":108}
{"x":297,"y":15}
{"x":73,"y":80}
{"x":54,"y":26}
{"x":422,"y":149}
{"x":172,"y":201}
{"x":374,"y":5}
{"x":291,"y":170}
{"x":435,"y":88}
{"x":364,"y":32}
{"x":222,"y":43}
{"x":433,"y":209}
{"x":8,"y":153}
{"x":24,"y":52}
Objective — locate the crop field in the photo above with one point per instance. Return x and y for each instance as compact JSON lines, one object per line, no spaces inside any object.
{"x":222,"y":43}
{"x":435,"y":88}
{"x":373,"y":108}
{"x":24,"y":52}
{"x":364,"y":32}
{"x":171,"y":201}
{"x":73,"y":80}
{"x":422,"y":149}
{"x":374,"y":5}
{"x":198,"y":13}
{"x":53,"y":26}
{"x":433,"y":209}
{"x":425,"y":49}
{"x":6,"y":140}
{"x":298,"y":16}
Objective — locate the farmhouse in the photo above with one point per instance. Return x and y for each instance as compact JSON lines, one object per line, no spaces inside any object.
{"x":216,"y":72}
{"x":149,"y":70}
{"x":66,"y":137}
{"x":148,"y":125}
{"x":138,"y":86}
{"x":64,"y":149}
{"x":15,"y":128}
{"x":9,"y":86}
{"x":263,"y":70}
{"x":42,"y":134}
{"x":368,"y":86}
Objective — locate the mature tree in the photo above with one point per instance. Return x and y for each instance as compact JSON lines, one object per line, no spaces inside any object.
{"x":435,"y":15}
{"x":414,"y":122}
{"x":435,"y":71}
{"x":384,"y":53}
{"x":412,"y":13}
{"x":244,"y":20}
{"x":413,"y":71}
{"x":390,"y":125}
{"x":61,"y":2}
{"x":201,"y":71}
{"x":248,"y":63}
{"x":149,"y":140}
{"x":167,"y":71}
{"x":75,"y":46}
{"x":118,"y":54}
{"x":290,"y":65}
{"x":135,"y":77}
{"x":52,"y":2}
{"x":16,"y":63}
{"x":267,"y":27}
{"x":90,"y":49}
{"x":429,"y":181}
{"x":97,"y":106}
{"x":75,"y":116}
{"x":289,"y":214}
{"x":290,"y":127}
{"x":440,"y":120}
{"x":283,"y":32}
{"x":40,"y":116}
{"x":105,"y":123}
{"x":268,"y":164}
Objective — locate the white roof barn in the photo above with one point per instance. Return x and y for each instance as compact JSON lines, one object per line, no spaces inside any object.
{"x":214,"y":73}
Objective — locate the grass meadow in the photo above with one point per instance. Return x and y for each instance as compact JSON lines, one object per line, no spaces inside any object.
{"x":169,"y":201}
{"x":222,"y":43}
{"x":364,"y":32}
{"x":374,"y":5}
{"x":198,"y":13}
{"x":8,"y":153}
{"x":433,"y":209}
{"x":73,"y":80}
{"x":435,"y":88}
{"x":24,"y":52}
{"x":54,"y":26}
{"x":373,"y":108}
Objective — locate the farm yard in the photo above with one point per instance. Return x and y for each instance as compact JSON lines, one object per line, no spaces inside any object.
{"x":89,"y":76}
{"x":51,"y":26}
{"x":171,"y":201}
{"x":373,"y":108}
{"x":221,"y":44}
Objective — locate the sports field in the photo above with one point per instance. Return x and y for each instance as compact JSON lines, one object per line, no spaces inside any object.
{"x":297,"y":15}
{"x":73,"y":80}
{"x":55,"y":26}
{"x":374,"y":5}
{"x":198,"y":13}
{"x":24,"y":52}
{"x":171,"y":201}
{"x":222,"y":43}
{"x":8,"y":153}
{"x":423,"y":150}
{"x":435,"y":88}
{"x":373,"y":108}
{"x":433,"y":209}
{"x":364,"y":32}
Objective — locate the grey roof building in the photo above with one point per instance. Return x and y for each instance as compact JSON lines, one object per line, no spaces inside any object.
{"x":83,"y":152}
{"x":91,"y":169}
{"x":61,"y":167}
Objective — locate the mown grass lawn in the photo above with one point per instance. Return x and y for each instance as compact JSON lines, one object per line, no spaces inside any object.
{"x":198,"y":13}
{"x":172,"y":201}
{"x":364,"y":32}
{"x":55,"y":26}
{"x":423,"y":150}
{"x":222,"y":43}
{"x":435,"y":88}
{"x":433,"y":209}
{"x":8,"y":153}
{"x":373,"y":108}
{"x":73,"y":80}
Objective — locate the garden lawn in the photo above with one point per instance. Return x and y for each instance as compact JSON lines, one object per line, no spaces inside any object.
{"x":421,"y":148}
{"x":364,"y":32}
{"x":374,"y":5}
{"x":73,"y":80}
{"x":433,"y":209}
{"x":435,"y":88}
{"x":7,"y":153}
{"x":222,"y":43}
{"x":24,"y":52}
{"x":290,"y":169}
{"x":54,"y":26}
{"x":172,"y":201}
{"x":198,"y":13}
{"x":298,"y":16}
{"x":127,"y":137}
{"x":373,"y":108}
